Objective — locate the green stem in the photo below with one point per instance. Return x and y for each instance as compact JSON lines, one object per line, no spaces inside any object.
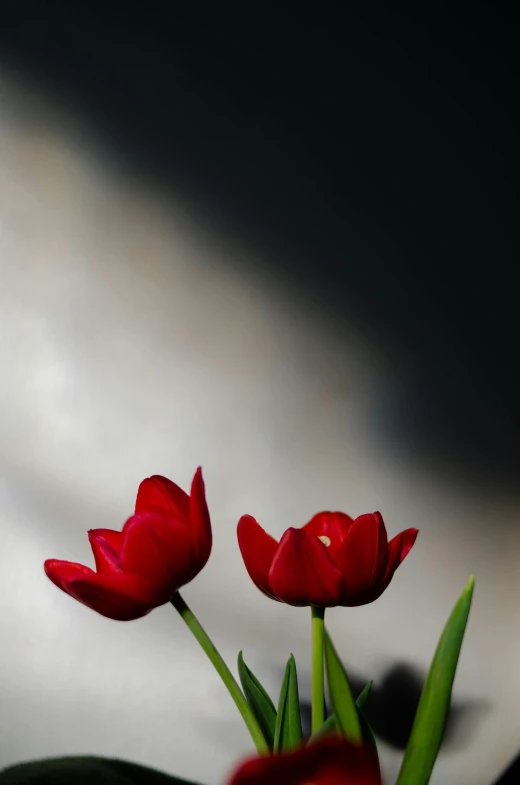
{"x":222,"y":670}
{"x":318,"y":675}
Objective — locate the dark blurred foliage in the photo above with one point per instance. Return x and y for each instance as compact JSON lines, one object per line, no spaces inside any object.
{"x":368,"y":151}
{"x":85,"y":771}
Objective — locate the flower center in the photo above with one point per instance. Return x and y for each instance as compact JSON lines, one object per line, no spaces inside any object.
{"x":325,"y":540}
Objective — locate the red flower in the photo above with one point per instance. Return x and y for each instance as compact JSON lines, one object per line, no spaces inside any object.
{"x":330,"y":761}
{"x":161,"y":547}
{"x":332,"y":560}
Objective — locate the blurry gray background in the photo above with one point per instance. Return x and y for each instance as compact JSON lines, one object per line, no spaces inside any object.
{"x":137,"y":338}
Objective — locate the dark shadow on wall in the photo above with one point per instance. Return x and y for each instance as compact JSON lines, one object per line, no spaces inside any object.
{"x":366,"y":152}
{"x":512,"y":774}
{"x":392,"y":704}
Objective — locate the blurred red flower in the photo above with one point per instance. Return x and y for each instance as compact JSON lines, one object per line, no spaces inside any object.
{"x":331,"y":761}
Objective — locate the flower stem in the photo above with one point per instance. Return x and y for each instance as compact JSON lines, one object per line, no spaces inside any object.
{"x":222,"y":670}
{"x":318,"y":676}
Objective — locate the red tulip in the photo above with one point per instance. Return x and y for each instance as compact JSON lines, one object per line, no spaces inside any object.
{"x":161,"y":547}
{"x":332,"y":560}
{"x":330,"y":761}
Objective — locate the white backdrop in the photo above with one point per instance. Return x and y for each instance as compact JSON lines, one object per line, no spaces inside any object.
{"x":132,"y":343}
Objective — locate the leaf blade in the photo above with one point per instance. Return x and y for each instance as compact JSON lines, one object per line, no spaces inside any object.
{"x":363,"y":695}
{"x":259,"y":701}
{"x":427,"y":731}
{"x":341,"y":694}
{"x":329,"y":726}
{"x":288,"y":730}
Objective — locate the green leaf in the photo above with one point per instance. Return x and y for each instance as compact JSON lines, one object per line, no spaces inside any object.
{"x":427,"y":731}
{"x":329,"y":726}
{"x":260,"y":702}
{"x":340,"y":694}
{"x":366,"y":731}
{"x":363,"y":695}
{"x":288,"y":732}
{"x":85,"y":771}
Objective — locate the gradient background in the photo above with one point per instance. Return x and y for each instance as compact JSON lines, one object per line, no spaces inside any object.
{"x":279,"y":244}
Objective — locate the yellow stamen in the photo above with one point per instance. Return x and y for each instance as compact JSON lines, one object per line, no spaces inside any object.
{"x":325,"y":540}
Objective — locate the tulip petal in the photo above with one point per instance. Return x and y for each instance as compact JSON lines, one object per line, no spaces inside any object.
{"x":302,"y":572}
{"x":159,"y":549}
{"x":363,"y":559}
{"x":258,"y":549}
{"x":158,"y":493}
{"x":334,"y":525}
{"x":331,"y":761}
{"x":398,"y":548}
{"x":61,"y":572}
{"x":200,"y":521}
{"x":106,"y":547}
{"x":116,"y":596}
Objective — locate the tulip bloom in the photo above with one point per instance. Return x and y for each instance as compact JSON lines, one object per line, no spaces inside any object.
{"x":161,"y":548}
{"x":332,"y":560}
{"x":331,"y":761}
